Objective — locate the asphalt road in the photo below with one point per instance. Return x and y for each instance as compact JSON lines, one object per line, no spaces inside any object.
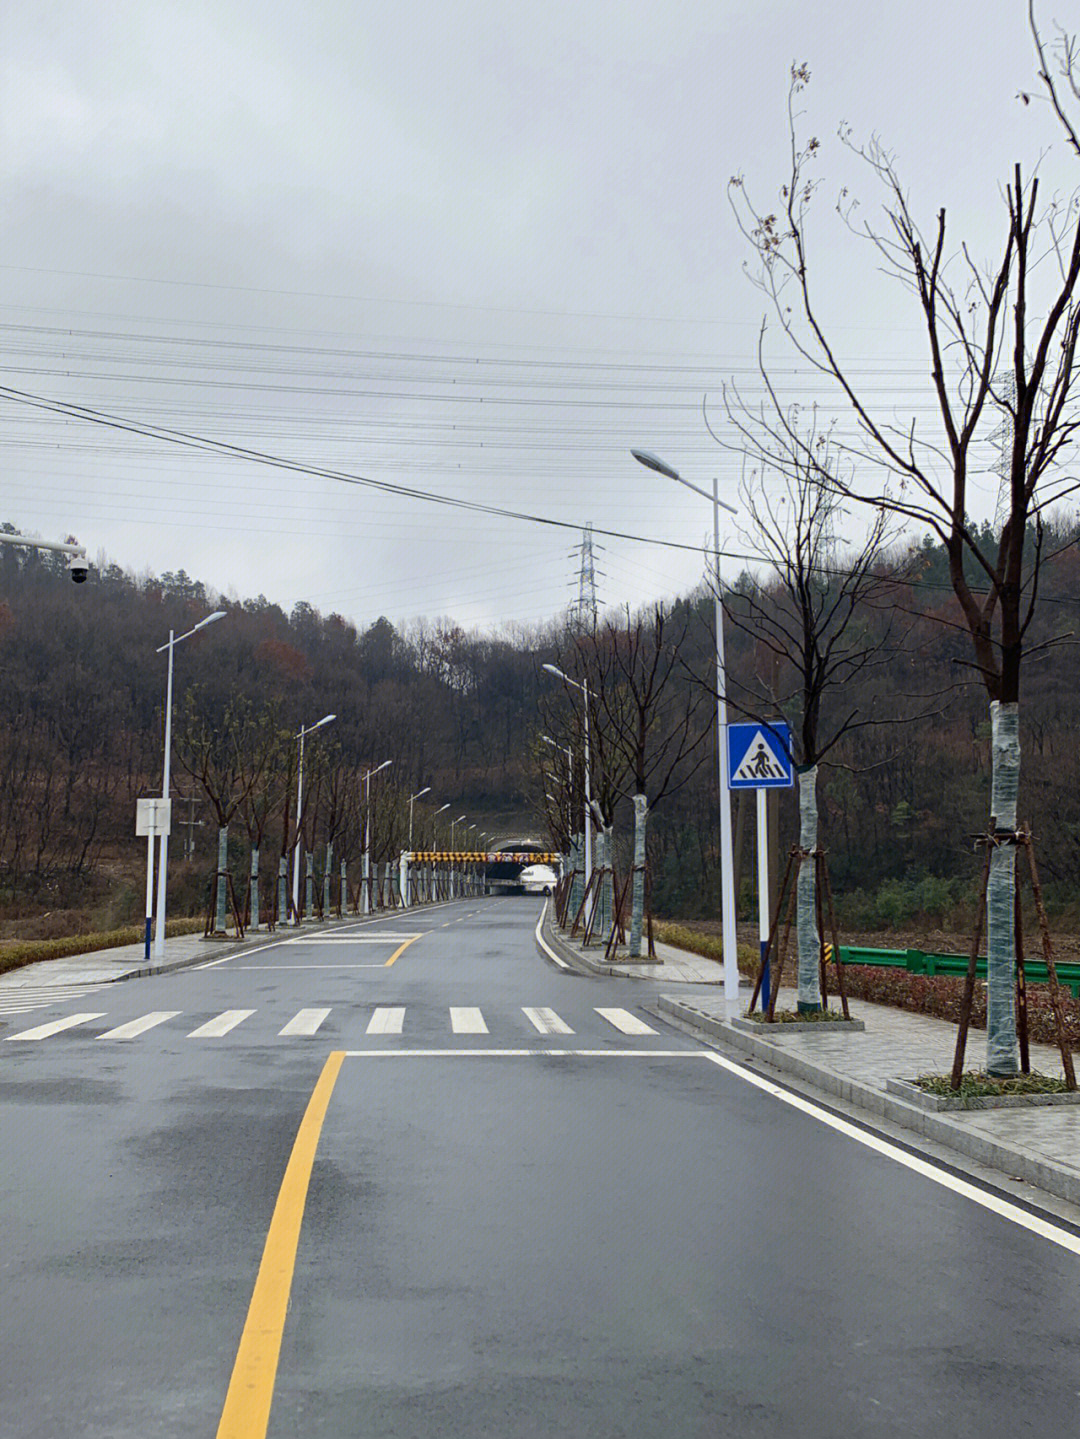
{"x":470,"y":1194}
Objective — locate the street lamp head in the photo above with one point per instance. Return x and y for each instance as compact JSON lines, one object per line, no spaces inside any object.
{"x":554,"y":670}
{"x":325,"y":720}
{"x":442,"y":807}
{"x":419,"y":792}
{"x":654,"y":462}
{"x":209,"y":620}
{"x":460,"y":818}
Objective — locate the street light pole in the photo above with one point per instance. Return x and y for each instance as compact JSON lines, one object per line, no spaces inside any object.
{"x":304,"y":730}
{"x":163,"y":855}
{"x":453,"y":866}
{"x":367,"y":834}
{"x":582,"y":685}
{"x":419,"y":792}
{"x":433,"y":891}
{"x":727,"y":856}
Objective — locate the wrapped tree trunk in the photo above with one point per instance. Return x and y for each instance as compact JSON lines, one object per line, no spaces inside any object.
{"x":577,"y":884}
{"x":1002,"y":1057}
{"x":220,"y":913}
{"x":283,"y":891}
{"x":637,"y":900}
{"x":254,"y":888}
{"x":809,"y":941}
{"x":326,"y":881}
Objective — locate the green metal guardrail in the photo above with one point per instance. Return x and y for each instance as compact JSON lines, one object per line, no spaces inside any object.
{"x":916,"y":961}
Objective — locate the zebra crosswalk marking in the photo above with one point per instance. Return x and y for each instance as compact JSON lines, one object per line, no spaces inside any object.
{"x":467,"y":1020}
{"x":386,"y":1019}
{"x":546,"y":1021}
{"x":625,"y":1022}
{"x":221,"y":1024}
{"x":21,"y":999}
{"x":134,"y":1027}
{"x":55,"y":1026}
{"x":306,"y":1022}
{"x":383,"y":1020}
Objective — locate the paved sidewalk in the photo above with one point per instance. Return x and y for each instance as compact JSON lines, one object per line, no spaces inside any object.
{"x":673,"y":966}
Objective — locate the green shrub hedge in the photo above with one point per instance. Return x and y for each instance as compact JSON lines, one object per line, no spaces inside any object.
{"x":29,"y":951}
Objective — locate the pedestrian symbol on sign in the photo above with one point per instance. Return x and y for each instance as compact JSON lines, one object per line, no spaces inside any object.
{"x":763,"y":765}
{"x":759,"y":756}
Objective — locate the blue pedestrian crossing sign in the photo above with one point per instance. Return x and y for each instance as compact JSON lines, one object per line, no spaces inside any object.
{"x":759,"y":756}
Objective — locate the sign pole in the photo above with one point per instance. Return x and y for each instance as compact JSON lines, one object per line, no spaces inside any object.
{"x":763,"y":891}
{"x":759,"y":758}
{"x":149,"y":892}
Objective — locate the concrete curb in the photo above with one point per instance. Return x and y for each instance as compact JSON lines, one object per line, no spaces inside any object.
{"x":1063,"y":1183}
{"x":795,"y":1026}
{"x":583,"y":963}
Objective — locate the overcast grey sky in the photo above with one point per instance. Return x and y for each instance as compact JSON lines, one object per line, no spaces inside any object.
{"x":479,"y":250}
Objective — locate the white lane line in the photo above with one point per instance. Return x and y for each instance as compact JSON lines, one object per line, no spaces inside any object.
{"x":542,"y":942}
{"x":55,"y":1026}
{"x":382,"y":937}
{"x":134,"y":1027}
{"x":270,"y":968}
{"x":625,"y":1022}
{"x":386,"y":1019}
{"x":246,"y":953}
{"x":306,"y":1022}
{"x":544,"y":1053}
{"x":215,"y":1028}
{"x":546,"y":1021}
{"x":466,"y":1020}
{"x":275,"y":943}
{"x":996,"y":1205}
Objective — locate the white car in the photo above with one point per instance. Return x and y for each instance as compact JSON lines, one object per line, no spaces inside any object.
{"x":538,"y":879}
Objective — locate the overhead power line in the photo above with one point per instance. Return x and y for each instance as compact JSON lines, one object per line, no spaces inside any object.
{"x":220,"y":447}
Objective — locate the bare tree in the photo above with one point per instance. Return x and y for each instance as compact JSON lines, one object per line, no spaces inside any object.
{"x":271,"y":749}
{"x":816,"y":617}
{"x":227,"y":754}
{"x":653,"y":723}
{"x":1001,"y":343}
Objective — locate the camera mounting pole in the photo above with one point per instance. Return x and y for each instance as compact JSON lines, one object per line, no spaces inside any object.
{"x":76,"y":553}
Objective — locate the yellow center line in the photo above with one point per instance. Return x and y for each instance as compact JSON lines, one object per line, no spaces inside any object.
{"x":401,"y":950}
{"x":251,"y":1388}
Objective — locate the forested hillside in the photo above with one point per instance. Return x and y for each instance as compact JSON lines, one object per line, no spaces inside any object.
{"x":81,"y":714}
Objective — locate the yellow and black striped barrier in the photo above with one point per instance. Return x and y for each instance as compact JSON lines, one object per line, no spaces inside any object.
{"x":468,"y":856}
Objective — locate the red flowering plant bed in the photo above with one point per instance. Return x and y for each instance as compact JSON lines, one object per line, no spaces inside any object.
{"x":941,"y":995}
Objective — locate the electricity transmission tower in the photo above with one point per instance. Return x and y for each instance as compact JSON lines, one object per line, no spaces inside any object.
{"x":584,"y":610}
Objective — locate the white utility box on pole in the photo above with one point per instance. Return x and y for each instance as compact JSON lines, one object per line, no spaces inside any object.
{"x":153,"y":817}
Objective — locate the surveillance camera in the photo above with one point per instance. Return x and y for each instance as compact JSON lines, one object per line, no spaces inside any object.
{"x":78,"y":568}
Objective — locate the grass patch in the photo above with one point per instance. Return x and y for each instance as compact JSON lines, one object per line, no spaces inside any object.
{"x":18,"y":952}
{"x":974,"y":1084}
